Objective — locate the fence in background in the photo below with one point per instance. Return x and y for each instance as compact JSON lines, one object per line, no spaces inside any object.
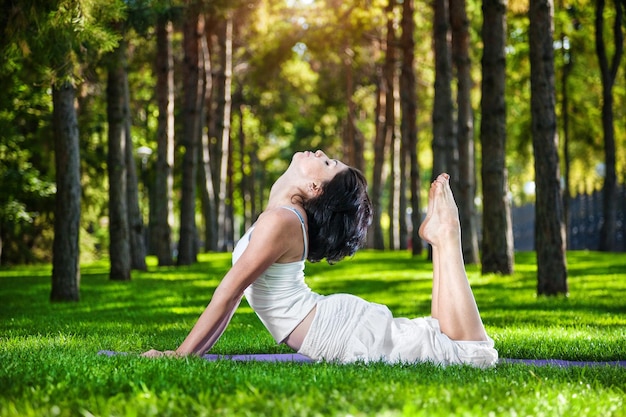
{"x":585,"y":220}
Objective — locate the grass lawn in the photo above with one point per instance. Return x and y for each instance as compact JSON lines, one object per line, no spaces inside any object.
{"x":49,"y":364}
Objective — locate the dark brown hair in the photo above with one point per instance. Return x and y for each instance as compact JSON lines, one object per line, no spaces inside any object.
{"x":338,"y":218}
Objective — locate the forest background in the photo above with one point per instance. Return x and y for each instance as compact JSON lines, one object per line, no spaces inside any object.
{"x":156,"y":127}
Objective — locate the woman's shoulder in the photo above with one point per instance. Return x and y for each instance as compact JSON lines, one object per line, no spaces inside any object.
{"x":283,"y":215}
{"x":282,"y":230}
{"x":280,"y":221}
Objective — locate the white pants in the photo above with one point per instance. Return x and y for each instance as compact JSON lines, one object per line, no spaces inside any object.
{"x":348,"y":329}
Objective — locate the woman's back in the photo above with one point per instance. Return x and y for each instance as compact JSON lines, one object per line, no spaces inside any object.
{"x":280,"y":296}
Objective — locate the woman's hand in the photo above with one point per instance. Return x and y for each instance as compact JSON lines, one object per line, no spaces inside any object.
{"x":153,"y":353}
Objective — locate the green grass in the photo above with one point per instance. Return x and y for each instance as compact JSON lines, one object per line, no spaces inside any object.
{"x":49,"y":364}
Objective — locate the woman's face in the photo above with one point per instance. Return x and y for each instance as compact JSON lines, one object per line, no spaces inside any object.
{"x":317,"y":166}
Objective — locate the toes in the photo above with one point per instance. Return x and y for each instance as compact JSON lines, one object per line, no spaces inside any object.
{"x":443,"y":178}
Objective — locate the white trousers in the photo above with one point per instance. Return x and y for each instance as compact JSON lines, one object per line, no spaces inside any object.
{"x":349,"y":329}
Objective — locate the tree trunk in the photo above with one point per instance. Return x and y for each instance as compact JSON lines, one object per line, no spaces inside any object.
{"x":466,"y":191}
{"x":408,"y":124}
{"x":65,"y":250}
{"x":567,"y":69}
{"x":395,"y":172}
{"x":193,"y":29}
{"x":229,"y":213}
{"x":164,"y":180}
{"x":549,"y":222}
{"x":389,"y":127}
{"x":403,"y":231}
{"x":225,"y":102}
{"x":376,"y":232}
{"x":352,"y":136}
{"x":119,"y":245}
{"x":135,"y":216}
{"x":207,"y":149}
{"x":245,"y":169}
{"x":207,"y":194}
{"x":497,"y":245}
{"x":348,"y":145}
{"x":445,"y":151}
{"x":608,"y":230}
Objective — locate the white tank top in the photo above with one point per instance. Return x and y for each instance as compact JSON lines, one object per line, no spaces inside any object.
{"x":280,"y":297}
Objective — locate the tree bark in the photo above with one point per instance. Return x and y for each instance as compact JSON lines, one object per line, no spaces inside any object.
{"x":208,"y":149}
{"x":389,"y":73}
{"x":245,"y":168}
{"x":164,"y":180}
{"x":497,"y":245}
{"x":445,"y":151}
{"x":466,"y":191}
{"x":65,"y":250}
{"x":395,"y":174}
{"x":119,"y":245}
{"x":408,"y":123}
{"x":549,"y":218}
{"x":567,"y":69}
{"x":135,"y":217}
{"x":207,"y":194}
{"x":348,"y":134}
{"x":375,"y":236}
{"x":193,"y":29}
{"x":225,"y":217}
{"x":608,"y":230}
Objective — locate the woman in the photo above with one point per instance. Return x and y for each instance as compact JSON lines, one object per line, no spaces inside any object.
{"x":319,"y":208}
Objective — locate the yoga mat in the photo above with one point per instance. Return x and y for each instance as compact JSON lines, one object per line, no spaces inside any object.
{"x":296,"y":357}
{"x":247,"y":357}
{"x":261,"y":357}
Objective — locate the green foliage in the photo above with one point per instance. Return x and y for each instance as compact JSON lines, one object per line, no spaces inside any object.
{"x":43,"y":44}
{"x":63,"y":33}
{"x":26,"y":172}
{"x":290,"y":72}
{"x":51,"y":366}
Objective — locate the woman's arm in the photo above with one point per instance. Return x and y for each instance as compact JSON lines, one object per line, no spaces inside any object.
{"x":272,"y":239}
{"x":207,"y":330}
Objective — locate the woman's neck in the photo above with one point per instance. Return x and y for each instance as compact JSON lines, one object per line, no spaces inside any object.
{"x":282,"y":193}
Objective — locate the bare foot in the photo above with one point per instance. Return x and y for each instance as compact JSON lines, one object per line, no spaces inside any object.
{"x":442,"y":215}
{"x":429,"y":210}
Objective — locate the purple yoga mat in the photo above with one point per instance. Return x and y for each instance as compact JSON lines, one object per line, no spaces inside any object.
{"x":261,"y":357}
{"x":296,"y":357}
{"x":258,"y":357}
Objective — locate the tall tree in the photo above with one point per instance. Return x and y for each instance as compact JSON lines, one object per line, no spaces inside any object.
{"x":445,"y":150}
{"x":135,"y":218}
{"x":565,"y":75}
{"x":208,"y":141}
{"x":117,"y":114}
{"x":245,"y":162}
{"x":497,"y":246}
{"x":65,"y":265}
{"x":608,"y":73}
{"x":384,"y":109}
{"x":164,"y":181}
{"x":375,"y":236}
{"x":390,"y":76}
{"x":408,"y":124}
{"x":466,"y":190}
{"x":224,"y":100}
{"x":549,"y":218}
{"x":352,"y":136}
{"x":193,"y":30}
